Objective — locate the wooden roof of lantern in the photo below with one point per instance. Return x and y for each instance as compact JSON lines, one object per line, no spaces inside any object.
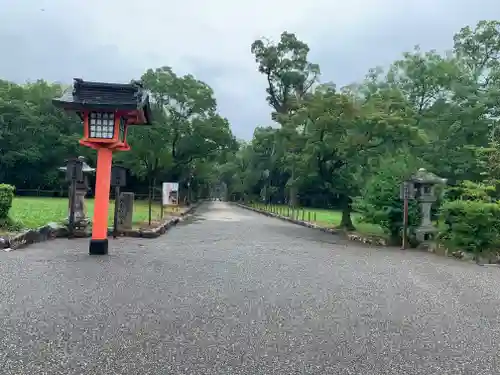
{"x":93,"y":96}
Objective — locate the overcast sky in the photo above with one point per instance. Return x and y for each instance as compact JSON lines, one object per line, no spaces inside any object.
{"x":116,"y":40}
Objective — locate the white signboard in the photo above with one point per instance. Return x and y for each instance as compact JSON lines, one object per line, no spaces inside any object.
{"x":170,"y":193}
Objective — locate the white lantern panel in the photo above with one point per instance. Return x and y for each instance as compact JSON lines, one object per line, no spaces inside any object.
{"x":102,"y":125}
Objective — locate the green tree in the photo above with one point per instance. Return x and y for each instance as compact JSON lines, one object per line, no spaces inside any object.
{"x":343,"y":136}
{"x":289,"y":76}
{"x":186,"y":131}
{"x":35,"y":137}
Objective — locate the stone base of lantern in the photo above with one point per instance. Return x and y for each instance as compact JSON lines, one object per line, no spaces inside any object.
{"x":98,"y":247}
{"x":425,"y":233}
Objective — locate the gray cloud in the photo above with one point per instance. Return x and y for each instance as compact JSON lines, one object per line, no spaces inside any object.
{"x":58,"y":44}
{"x":385,"y":39}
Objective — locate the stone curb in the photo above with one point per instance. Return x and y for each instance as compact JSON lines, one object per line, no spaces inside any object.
{"x":31,"y":236}
{"x":54,"y":230}
{"x":159,"y":230}
{"x":349,"y":236}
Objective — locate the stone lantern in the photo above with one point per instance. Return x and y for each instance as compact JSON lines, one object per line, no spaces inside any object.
{"x":80,"y":185}
{"x":424,"y":186}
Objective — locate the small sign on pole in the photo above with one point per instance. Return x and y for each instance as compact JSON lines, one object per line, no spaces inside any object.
{"x":170,"y":193}
{"x":407,"y":193}
{"x":118,"y":176}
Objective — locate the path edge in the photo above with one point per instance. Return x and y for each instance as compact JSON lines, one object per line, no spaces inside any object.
{"x":348,"y":235}
{"x":48,"y":232}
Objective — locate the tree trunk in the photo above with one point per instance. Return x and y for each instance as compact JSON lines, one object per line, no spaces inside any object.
{"x":292,"y":192}
{"x":154,"y":189}
{"x":150,"y":200}
{"x":293,"y":196}
{"x":346,"y":221}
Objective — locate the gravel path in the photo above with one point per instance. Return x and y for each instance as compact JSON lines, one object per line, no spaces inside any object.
{"x":235,"y":292}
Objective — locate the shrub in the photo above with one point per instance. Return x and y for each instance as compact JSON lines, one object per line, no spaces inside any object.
{"x":11,"y":225}
{"x":471,"y":226}
{"x":471,"y":191}
{"x":380,"y":202}
{"x":6,"y":196}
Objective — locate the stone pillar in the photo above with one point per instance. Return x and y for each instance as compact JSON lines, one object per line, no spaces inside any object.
{"x":80,"y":207}
{"x":125,"y":211}
{"x":70,"y":201}
{"x":426,"y":214}
{"x":426,"y":230}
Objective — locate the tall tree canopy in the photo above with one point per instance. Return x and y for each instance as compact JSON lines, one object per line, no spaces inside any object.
{"x":187,"y":141}
{"x":439,"y":108}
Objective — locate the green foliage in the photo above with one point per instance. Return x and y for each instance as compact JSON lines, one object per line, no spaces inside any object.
{"x":471,"y":218}
{"x":327,"y":145}
{"x":6,"y":196}
{"x":472,"y":226}
{"x":331,"y":142}
{"x":289,"y":73}
{"x":11,"y":225}
{"x":35,"y":137}
{"x":188,"y":138}
{"x":380,"y":201}
{"x":471,"y":191}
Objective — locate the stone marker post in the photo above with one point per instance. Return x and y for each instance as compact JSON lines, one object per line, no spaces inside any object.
{"x":118,"y":180}
{"x":125,"y":211}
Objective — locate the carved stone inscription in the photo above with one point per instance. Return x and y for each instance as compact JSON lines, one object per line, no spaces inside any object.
{"x":125,"y":211}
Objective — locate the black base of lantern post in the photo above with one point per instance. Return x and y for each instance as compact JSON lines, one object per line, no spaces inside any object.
{"x":98,"y":247}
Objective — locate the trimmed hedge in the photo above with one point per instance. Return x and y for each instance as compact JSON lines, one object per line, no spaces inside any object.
{"x":6,"y":197}
{"x":471,"y":226}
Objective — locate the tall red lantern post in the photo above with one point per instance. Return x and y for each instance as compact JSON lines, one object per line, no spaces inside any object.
{"x":106,"y":109}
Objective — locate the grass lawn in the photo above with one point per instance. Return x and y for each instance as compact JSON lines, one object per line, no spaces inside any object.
{"x":34,"y":212}
{"x":331,"y":218}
